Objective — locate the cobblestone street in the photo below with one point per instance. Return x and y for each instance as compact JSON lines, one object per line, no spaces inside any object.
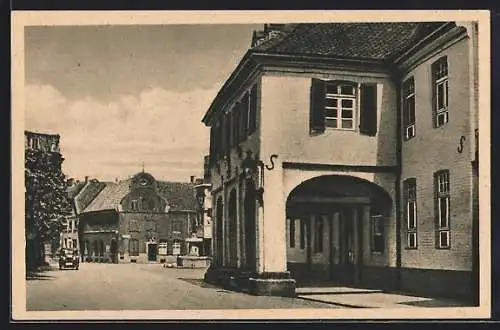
{"x":141,"y":287}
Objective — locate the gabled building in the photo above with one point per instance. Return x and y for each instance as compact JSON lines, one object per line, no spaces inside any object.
{"x":136,"y":220}
{"x":345,"y":153}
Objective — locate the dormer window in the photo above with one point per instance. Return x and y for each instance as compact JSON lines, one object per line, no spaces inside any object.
{"x":343,"y":105}
{"x":134,"y":204}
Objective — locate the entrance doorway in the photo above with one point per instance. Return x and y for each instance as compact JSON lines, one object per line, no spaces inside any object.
{"x":152,"y":252}
{"x":329,"y":230}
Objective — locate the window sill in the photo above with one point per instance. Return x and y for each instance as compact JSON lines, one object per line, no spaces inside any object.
{"x":443,"y":248}
{"x":411,"y":248}
{"x":377,"y":253}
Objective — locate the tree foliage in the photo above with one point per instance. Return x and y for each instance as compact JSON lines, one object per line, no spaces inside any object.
{"x":47,"y":202}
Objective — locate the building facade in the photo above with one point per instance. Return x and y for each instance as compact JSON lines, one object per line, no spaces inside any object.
{"x":344,"y":153}
{"x":136,"y":220}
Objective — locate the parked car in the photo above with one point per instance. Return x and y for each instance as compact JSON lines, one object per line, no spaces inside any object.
{"x":69,"y":259}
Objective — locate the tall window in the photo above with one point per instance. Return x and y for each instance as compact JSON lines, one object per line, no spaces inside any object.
{"x":318,"y":242}
{"x":440,"y":91}
{"x":377,"y":233}
{"x":303,"y":229}
{"x":133,"y":247}
{"x":409,"y":108}
{"x":292,"y":233}
{"x":442,"y":202}
{"x":340,"y":107}
{"x":410,"y":190}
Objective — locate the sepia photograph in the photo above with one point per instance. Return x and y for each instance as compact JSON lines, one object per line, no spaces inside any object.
{"x":250,"y":165}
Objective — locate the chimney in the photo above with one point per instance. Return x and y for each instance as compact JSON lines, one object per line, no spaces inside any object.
{"x":192,"y":178}
{"x":86,"y":179}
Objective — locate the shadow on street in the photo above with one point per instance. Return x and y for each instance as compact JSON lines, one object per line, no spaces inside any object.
{"x":38,"y":275}
{"x":198,"y":282}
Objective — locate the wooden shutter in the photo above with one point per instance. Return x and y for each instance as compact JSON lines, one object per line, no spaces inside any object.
{"x":317,"y":107}
{"x":368,"y":111}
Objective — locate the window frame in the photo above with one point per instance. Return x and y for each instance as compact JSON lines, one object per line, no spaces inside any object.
{"x":339,"y":97}
{"x":409,"y":99}
{"x":410,"y":199}
{"x":440,"y":77}
{"x":442,"y":188}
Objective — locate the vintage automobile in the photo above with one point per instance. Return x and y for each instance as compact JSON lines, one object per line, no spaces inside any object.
{"x":69,"y":259}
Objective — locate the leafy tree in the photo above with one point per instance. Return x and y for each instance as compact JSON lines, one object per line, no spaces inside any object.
{"x":47,"y":202}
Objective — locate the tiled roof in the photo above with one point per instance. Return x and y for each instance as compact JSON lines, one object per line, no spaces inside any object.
{"x":109,"y":198}
{"x":378,"y":41}
{"x":74,"y":189}
{"x":179,"y":195}
{"x":87,"y":194}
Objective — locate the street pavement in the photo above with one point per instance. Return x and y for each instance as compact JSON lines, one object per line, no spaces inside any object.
{"x":141,"y":287}
{"x":152,"y":287}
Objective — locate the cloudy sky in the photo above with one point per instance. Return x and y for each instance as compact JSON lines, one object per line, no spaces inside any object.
{"x":123,"y":95}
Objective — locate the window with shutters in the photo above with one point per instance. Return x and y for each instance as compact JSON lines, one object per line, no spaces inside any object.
{"x":133,"y":247}
{"x":440,"y":91}
{"x":410,"y":202}
{"x":409,"y":108}
{"x":442,"y":208}
{"x":343,"y":105}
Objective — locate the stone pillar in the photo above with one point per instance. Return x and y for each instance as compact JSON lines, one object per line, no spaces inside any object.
{"x":273,"y":277}
{"x":274,"y":231}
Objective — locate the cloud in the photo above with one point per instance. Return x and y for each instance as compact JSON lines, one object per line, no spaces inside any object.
{"x":105,"y":140}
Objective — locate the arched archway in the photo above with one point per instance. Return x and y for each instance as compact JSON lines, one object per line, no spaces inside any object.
{"x":336,"y":225}
{"x":232,"y":230}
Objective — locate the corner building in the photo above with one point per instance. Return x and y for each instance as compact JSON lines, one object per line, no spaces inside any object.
{"x":346,"y":154}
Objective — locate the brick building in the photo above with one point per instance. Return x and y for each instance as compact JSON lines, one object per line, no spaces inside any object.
{"x":345,"y":153}
{"x":136,"y":220}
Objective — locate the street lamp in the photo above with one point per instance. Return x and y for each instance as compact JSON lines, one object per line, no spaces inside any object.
{"x":252,"y":167}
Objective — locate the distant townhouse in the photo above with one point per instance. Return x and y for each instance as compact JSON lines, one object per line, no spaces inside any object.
{"x":346,"y":153}
{"x":136,"y":220}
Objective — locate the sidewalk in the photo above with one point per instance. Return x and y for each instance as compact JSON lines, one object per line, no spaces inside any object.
{"x":364,"y":298}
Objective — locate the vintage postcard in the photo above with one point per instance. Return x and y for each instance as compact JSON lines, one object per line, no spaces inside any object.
{"x":250,"y":165}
